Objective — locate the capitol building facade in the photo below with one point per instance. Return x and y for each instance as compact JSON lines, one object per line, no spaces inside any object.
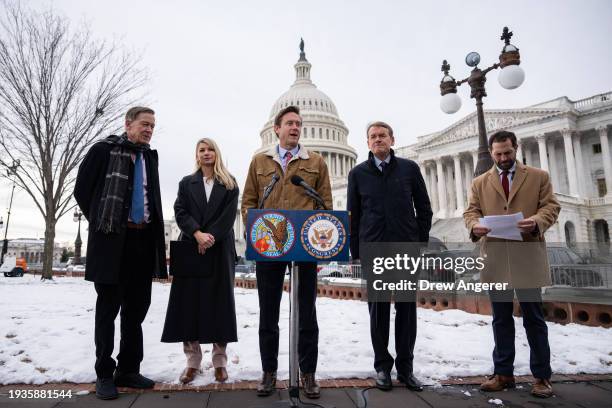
{"x":569,"y":139}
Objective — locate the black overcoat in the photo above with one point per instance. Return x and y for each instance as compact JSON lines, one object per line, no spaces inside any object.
{"x":202,"y":308}
{"x":389,"y":207}
{"x":105,"y":251}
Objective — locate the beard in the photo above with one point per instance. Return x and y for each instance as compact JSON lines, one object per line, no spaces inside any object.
{"x":505,"y":165}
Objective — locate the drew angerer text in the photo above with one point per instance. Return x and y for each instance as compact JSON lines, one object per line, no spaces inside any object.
{"x":422,"y":284}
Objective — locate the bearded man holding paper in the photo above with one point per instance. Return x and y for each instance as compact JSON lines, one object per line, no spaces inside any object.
{"x":508,"y":188}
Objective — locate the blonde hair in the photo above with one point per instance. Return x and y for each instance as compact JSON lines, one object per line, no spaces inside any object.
{"x":220,"y":172}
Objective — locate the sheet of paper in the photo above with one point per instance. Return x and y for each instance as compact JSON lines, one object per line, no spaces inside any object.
{"x":503,"y":226}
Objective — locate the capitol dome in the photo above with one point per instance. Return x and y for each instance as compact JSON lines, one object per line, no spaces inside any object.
{"x":322,"y":129}
{"x":307,"y":97}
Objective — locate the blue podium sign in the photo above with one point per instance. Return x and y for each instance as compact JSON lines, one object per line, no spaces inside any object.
{"x":297,"y":235}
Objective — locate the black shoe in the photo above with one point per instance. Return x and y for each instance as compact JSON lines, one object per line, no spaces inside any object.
{"x":310,"y":386}
{"x":132,"y":380}
{"x":267,"y":385}
{"x":411,"y":382}
{"x":106,"y":389}
{"x":383,"y":380}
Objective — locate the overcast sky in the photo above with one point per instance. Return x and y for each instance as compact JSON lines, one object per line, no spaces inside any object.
{"x":218,"y":67}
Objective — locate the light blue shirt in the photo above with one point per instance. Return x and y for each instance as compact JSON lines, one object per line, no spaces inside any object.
{"x":283,"y":152}
{"x":377,"y":161}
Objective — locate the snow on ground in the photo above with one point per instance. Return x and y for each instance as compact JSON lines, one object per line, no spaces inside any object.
{"x":46,"y":335}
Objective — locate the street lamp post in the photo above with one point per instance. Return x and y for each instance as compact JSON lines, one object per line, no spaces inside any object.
{"x":10,"y":171}
{"x":77,"y":242}
{"x":510,"y":77}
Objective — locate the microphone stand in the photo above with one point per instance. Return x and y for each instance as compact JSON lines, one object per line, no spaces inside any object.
{"x":317,"y":199}
{"x":268,"y":190}
{"x":294,"y":335}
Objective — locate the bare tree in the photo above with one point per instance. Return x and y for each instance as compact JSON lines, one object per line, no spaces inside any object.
{"x":60,"y":90}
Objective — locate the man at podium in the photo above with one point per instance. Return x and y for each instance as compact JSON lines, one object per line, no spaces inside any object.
{"x":388,"y":202}
{"x":271,"y":172}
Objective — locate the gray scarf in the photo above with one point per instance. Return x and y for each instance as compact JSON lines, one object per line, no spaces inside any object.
{"x":116,"y":182}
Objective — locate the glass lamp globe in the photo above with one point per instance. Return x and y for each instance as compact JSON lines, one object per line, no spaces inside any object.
{"x":472,"y":59}
{"x":450,"y":103}
{"x":511,"y":77}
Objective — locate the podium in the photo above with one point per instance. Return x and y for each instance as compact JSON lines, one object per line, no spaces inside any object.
{"x":296,"y":236}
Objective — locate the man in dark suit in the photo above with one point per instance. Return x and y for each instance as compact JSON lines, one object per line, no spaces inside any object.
{"x":117,"y":188}
{"x":383,"y":194}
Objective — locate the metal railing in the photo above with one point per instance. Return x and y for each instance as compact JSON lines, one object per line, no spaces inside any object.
{"x":596,"y":276}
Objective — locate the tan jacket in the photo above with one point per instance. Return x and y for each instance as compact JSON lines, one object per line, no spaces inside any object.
{"x":308,"y":165}
{"x":521,"y":264}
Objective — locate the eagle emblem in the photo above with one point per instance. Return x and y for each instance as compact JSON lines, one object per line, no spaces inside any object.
{"x":278,"y":232}
{"x":322,"y":237}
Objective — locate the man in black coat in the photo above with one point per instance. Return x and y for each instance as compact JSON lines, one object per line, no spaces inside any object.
{"x":117,"y":188}
{"x":384,"y":192}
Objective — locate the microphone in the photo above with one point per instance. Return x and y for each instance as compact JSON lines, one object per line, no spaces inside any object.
{"x":310,"y":192}
{"x":268,"y":190}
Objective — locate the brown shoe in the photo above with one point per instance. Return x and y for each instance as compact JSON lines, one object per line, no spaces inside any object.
{"x":310,"y":386}
{"x":267,"y":385}
{"x":542,"y":388}
{"x":498,"y":382}
{"x":220,"y":374}
{"x":188,"y":375}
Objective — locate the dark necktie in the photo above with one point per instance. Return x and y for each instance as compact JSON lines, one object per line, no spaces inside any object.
{"x":137,"y":210}
{"x":506,"y":183}
{"x":383,"y":166}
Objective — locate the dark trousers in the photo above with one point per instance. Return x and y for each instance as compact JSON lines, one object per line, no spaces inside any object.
{"x":530,"y":301}
{"x":405,"y":335}
{"x":132,"y":295}
{"x":270,"y":278}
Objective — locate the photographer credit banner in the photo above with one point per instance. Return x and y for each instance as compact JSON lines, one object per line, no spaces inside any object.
{"x":297,"y":235}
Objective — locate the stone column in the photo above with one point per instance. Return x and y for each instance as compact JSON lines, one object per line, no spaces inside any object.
{"x":469,"y":176}
{"x":337,"y":160}
{"x":543,"y":153}
{"x":475,"y":159}
{"x":554,"y":168}
{"x":528,"y":154}
{"x":442,"y":203}
{"x":428,"y":184}
{"x":519,"y":151}
{"x":570,"y":163}
{"x":433,"y":189}
{"x":582,"y":177}
{"x":606,"y":158}
{"x":450,"y":190}
{"x":458,"y":185}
